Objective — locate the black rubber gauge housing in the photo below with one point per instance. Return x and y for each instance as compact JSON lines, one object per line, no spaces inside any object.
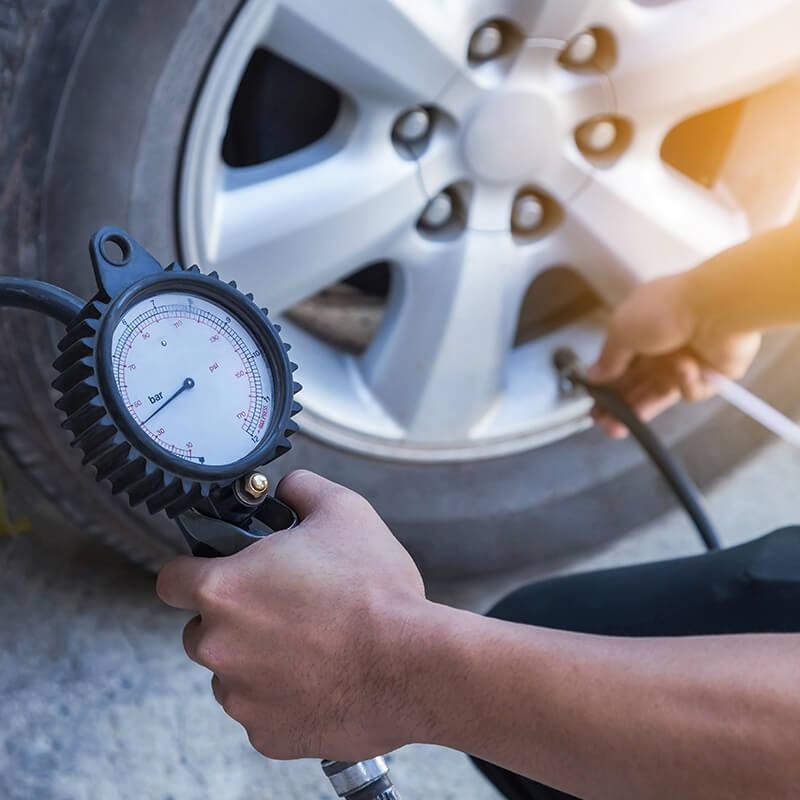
{"x":104,"y":428}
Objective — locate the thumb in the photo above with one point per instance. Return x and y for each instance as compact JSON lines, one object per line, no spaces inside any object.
{"x":306,"y":491}
{"x":614,"y":359}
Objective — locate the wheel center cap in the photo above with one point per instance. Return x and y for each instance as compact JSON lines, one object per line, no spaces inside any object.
{"x":511,"y":137}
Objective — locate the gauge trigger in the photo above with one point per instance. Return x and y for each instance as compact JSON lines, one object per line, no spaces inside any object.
{"x":210,"y":537}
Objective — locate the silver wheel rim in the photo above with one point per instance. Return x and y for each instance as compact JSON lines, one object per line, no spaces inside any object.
{"x":442,"y":379}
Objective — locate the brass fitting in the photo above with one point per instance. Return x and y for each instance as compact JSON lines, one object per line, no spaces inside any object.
{"x":256,"y":485}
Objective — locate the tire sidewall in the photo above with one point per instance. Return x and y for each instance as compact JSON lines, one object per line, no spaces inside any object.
{"x":85,"y":80}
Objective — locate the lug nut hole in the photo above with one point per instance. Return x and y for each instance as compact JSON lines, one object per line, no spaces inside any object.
{"x":534,"y":214}
{"x":602,"y":140}
{"x":412,"y":131}
{"x":444,"y":216}
{"x":494,"y":40}
{"x":591,"y":50}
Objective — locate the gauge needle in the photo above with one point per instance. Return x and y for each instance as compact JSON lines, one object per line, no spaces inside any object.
{"x":187,"y":384}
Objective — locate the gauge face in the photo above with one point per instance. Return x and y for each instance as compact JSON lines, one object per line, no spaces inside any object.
{"x":193,"y":378}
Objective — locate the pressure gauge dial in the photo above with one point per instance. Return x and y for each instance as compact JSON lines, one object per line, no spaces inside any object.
{"x":175,"y":383}
{"x":192,"y":377}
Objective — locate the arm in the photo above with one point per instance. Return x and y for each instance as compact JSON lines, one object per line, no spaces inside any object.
{"x":323,"y":644}
{"x":618,"y":718}
{"x":753,"y":286}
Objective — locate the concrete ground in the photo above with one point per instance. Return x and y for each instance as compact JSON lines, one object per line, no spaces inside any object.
{"x":99,"y":702}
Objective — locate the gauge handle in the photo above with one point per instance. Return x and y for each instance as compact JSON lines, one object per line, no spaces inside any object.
{"x":210,"y":537}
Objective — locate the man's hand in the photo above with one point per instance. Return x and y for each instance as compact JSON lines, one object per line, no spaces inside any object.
{"x":305,"y":631}
{"x":657,"y":347}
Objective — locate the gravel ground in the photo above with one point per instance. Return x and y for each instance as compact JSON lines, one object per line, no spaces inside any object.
{"x":99,"y":702}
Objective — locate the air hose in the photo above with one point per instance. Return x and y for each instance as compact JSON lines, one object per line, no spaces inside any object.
{"x":674,"y":473}
{"x":45,"y":298}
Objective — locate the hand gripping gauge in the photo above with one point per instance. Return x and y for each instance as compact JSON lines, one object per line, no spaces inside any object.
{"x":177,"y":387}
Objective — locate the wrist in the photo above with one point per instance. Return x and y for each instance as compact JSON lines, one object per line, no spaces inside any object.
{"x":433,"y":654}
{"x":688,"y":299}
{"x":713,"y":298}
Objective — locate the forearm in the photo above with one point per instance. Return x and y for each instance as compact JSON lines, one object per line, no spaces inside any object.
{"x":613,"y":718}
{"x":753,"y":286}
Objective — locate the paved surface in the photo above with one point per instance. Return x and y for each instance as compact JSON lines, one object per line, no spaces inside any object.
{"x":99,"y":702}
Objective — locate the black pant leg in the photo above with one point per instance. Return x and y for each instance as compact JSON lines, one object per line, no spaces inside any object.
{"x":752,"y":588}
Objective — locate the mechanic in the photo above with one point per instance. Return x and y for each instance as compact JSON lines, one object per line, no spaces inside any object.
{"x":667,"y":680}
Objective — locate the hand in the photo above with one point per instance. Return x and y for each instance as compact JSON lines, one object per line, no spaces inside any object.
{"x":306,"y":630}
{"x":657,"y":348}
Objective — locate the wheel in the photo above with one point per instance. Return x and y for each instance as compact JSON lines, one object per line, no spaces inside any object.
{"x":433,"y":197}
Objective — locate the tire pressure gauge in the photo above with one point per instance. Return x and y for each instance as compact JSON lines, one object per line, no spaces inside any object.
{"x":176,"y":385}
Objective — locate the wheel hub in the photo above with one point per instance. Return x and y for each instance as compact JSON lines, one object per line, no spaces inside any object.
{"x":530,"y":137}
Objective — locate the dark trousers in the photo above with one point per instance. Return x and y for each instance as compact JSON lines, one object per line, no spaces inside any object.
{"x":753,"y":588}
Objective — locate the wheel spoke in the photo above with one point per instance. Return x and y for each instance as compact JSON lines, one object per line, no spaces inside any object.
{"x":688,"y":57}
{"x":398,"y":52}
{"x":640,"y":220}
{"x":438,"y":362}
{"x":287,"y":235}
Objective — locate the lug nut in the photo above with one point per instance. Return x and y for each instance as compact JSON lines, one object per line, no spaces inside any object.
{"x":598,"y":137}
{"x":413,"y":125}
{"x":486,"y":42}
{"x":527,"y":213}
{"x":438,"y":212}
{"x":581,"y":49}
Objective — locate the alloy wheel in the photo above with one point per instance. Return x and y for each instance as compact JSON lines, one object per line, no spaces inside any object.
{"x":475,"y":150}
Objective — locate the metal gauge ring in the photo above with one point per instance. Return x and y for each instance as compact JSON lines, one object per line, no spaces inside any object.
{"x":175,"y":384}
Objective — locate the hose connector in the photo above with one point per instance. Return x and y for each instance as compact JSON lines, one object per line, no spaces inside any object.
{"x":361,"y":780}
{"x":571,"y":371}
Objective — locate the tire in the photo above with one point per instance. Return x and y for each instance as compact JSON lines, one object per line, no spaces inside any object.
{"x":96,"y":99}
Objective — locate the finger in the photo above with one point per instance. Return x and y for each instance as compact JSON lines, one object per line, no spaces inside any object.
{"x":614,"y":359}
{"x":192,"y":632}
{"x":179,"y":581}
{"x":614,"y":429}
{"x":645,"y":380}
{"x":305,"y":491}
{"x":690,"y":378}
{"x":609,"y":424}
{"x":598,"y":413}
{"x":651,"y":405}
{"x":642,"y":399}
{"x":638,"y":374}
